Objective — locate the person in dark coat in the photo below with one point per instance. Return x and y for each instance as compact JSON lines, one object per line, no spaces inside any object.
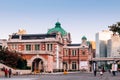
{"x":10,"y":72}
{"x":94,"y":69}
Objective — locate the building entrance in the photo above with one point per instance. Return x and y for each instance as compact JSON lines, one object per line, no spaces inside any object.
{"x":37,"y":65}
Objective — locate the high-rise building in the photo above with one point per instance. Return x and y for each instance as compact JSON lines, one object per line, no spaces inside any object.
{"x":114,"y":47}
{"x":107,"y":48}
{"x":101,"y":43}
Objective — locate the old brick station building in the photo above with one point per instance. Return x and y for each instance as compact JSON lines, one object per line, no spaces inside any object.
{"x":52,"y":51}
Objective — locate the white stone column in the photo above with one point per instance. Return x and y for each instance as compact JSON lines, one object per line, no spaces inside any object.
{"x":57,"y":57}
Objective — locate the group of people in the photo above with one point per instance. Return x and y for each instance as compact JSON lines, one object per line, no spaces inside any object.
{"x":101,"y":71}
{"x":113,"y":70}
{"x":7,"y":72}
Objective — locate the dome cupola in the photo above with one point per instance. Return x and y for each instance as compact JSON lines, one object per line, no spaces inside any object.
{"x":84,"y":38}
{"x":56,"y":29}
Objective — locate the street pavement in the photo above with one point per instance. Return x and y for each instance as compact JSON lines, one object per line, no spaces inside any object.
{"x":69,"y":76}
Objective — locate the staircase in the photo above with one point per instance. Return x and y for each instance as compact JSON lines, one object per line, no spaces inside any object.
{"x":14,"y":71}
{"x":2,"y":65}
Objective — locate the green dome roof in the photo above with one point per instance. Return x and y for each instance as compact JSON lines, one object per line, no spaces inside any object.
{"x":84,"y":38}
{"x":57,"y":28}
{"x":88,"y":43}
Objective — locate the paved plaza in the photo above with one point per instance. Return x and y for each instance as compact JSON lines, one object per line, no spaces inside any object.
{"x":60,"y":76}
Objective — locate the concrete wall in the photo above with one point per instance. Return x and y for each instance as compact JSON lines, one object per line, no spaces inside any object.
{"x":20,"y":72}
{"x":2,"y":65}
{"x":14,"y":71}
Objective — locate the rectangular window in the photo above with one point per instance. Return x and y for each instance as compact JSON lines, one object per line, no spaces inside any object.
{"x":37,"y":47}
{"x":28,"y":47}
{"x":73,"y":52}
{"x":49,"y":47}
{"x":14,"y":46}
{"x":74,"y":65}
{"x":66,"y":53}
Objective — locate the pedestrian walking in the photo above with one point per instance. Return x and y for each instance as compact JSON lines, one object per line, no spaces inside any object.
{"x":114,"y":69}
{"x":6,"y":72}
{"x":94,"y":69}
{"x":10,"y":73}
{"x":101,"y":72}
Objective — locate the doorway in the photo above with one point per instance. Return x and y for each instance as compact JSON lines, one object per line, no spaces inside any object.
{"x":37,"y":65}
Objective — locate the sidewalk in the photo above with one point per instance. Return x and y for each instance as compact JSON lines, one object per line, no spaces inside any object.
{"x":18,"y":78}
{"x":61,"y":76}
